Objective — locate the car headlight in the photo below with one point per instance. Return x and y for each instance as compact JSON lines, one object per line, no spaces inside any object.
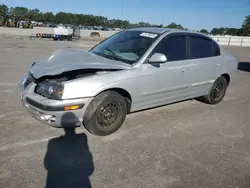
{"x":51,"y":90}
{"x":28,"y":80}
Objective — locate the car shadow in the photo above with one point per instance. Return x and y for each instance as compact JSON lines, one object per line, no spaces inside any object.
{"x":244,"y":66}
{"x":68,"y":160}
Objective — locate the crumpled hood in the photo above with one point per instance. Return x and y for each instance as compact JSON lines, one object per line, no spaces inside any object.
{"x":73,"y":59}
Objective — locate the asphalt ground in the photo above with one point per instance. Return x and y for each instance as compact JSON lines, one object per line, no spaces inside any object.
{"x":187,"y":144}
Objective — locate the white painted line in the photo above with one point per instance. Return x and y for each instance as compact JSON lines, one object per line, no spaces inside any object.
{"x":5,"y":66}
{"x":8,"y":84}
{"x":7,"y":91}
{"x":23,"y":144}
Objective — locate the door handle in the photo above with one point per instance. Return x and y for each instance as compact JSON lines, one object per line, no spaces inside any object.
{"x":184,"y":70}
{"x":218,"y":65}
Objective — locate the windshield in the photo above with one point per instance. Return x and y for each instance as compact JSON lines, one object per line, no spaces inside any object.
{"x":126,"y":46}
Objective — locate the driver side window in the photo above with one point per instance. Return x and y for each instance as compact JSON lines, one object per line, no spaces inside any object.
{"x":174,"y":48}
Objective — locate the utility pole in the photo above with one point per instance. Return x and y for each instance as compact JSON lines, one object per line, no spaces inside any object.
{"x":121,"y":9}
{"x":121,"y":13}
{"x":163,"y":20}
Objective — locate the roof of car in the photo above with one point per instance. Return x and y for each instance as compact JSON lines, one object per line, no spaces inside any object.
{"x":158,"y":30}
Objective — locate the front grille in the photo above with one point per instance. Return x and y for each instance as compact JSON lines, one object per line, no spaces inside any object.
{"x":45,"y":107}
{"x":33,"y":103}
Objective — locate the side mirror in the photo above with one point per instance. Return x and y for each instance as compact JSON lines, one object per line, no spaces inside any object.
{"x":158,"y":58}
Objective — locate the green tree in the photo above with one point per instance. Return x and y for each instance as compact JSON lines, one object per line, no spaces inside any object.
{"x":246,"y":22}
{"x":218,"y":31}
{"x":60,"y":17}
{"x":47,"y":17}
{"x":3,"y":11}
{"x":33,"y":14}
{"x":246,"y":26}
{"x":240,"y":32}
{"x":20,"y":13}
{"x":204,"y":31}
{"x":232,"y":31}
{"x":174,"y":26}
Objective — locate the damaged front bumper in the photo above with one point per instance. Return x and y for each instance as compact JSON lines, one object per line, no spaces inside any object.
{"x":56,"y":113}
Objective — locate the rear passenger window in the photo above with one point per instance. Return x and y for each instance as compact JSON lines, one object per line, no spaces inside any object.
{"x":216,"y":49}
{"x":200,"y":47}
{"x":174,"y":48}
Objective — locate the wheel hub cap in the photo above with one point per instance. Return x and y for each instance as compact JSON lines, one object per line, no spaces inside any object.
{"x":107,"y":114}
{"x":218,"y":90}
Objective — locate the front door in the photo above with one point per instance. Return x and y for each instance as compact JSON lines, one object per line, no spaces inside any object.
{"x":167,"y":82}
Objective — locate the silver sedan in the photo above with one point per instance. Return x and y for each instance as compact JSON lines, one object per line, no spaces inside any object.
{"x":132,"y":70}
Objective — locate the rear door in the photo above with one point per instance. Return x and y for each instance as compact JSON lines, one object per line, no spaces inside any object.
{"x":205,"y":59}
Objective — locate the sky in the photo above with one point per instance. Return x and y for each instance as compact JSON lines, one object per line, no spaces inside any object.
{"x":191,"y":14}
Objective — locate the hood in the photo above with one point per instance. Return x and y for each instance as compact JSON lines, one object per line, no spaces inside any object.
{"x":73,"y":59}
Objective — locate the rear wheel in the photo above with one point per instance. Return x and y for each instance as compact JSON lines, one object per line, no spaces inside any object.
{"x":105,"y":114}
{"x":217,"y":92}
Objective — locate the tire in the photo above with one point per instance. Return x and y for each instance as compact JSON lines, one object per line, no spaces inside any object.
{"x":69,"y":38}
{"x":94,"y":119}
{"x":210,"y":98}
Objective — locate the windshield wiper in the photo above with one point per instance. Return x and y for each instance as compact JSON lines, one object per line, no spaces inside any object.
{"x":119,"y":58}
{"x":113,"y":53}
{"x":114,"y":57}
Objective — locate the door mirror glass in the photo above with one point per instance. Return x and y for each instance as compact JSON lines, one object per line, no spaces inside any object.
{"x":158,"y":58}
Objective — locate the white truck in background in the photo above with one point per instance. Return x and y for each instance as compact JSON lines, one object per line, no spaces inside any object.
{"x":60,"y":33}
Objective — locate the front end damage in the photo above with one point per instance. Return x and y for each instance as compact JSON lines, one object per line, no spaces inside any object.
{"x":42,"y":98}
{"x":71,"y":75}
{"x":58,"y":90}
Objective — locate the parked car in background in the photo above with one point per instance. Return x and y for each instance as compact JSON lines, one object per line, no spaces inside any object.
{"x":132,"y":70}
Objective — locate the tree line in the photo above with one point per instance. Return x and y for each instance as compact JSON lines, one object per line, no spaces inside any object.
{"x":243,"y":31}
{"x":23,"y":13}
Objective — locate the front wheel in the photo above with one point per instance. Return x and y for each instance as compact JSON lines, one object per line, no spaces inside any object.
{"x":217,"y":92}
{"x":105,"y":114}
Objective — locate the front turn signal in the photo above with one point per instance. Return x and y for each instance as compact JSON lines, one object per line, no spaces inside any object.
{"x":74,"y":107}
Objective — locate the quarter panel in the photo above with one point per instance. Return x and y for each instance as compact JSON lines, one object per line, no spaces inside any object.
{"x":229,"y":64}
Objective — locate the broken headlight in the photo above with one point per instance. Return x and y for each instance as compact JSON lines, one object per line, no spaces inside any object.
{"x":28,"y":81}
{"x":51,"y":90}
